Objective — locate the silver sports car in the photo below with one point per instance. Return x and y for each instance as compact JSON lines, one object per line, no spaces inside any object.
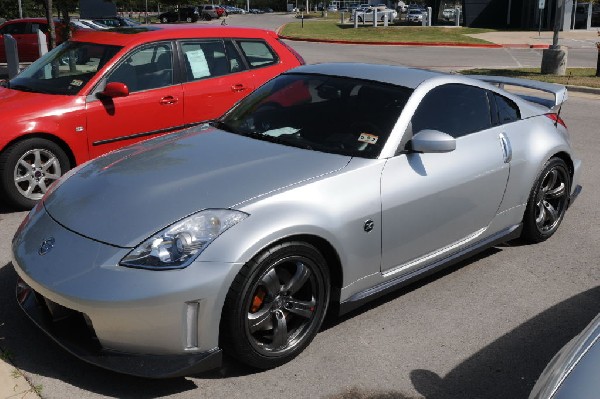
{"x":329,"y":186}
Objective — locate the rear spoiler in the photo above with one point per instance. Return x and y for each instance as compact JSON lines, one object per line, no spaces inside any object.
{"x":558,"y":91}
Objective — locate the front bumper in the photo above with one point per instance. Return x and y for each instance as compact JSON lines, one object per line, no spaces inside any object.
{"x":71,"y":330}
{"x":141,"y":322}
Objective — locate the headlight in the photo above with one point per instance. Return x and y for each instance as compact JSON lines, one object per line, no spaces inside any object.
{"x":178,"y":245}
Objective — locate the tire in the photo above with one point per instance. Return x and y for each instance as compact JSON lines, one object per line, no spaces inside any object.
{"x":188,"y":19}
{"x":360,"y":19}
{"x":207,"y":17}
{"x":275,"y":305}
{"x":164,"y":20}
{"x":23,"y":185}
{"x":547,"y":202}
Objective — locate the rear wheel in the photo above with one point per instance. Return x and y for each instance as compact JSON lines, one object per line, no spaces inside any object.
{"x":188,"y":19}
{"x":28,"y":168}
{"x":164,"y":20}
{"x":275,"y":305}
{"x":548,"y":202}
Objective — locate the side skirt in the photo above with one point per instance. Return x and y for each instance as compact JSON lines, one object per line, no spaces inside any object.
{"x":362,"y":297}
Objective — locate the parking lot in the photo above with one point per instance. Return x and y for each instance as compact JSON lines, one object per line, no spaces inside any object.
{"x":484,"y":328}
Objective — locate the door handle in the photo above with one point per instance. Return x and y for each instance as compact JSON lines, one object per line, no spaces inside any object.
{"x":506,"y":148}
{"x":168,"y":100}
{"x":238,"y":87}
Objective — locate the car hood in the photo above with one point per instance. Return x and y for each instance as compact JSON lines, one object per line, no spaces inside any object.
{"x":127,"y":195}
{"x":17,"y":105}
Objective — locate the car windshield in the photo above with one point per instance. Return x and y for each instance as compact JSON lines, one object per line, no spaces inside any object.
{"x":322,"y":113}
{"x":64,"y":70}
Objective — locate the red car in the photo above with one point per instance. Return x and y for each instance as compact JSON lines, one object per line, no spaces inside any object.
{"x":103,"y":90}
{"x":24,"y":31}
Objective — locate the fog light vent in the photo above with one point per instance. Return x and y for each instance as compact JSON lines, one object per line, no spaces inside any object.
{"x":191,"y":327}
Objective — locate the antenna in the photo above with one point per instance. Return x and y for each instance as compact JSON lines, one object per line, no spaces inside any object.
{"x":560,"y":107}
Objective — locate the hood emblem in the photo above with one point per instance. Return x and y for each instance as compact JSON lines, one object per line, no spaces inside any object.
{"x":46,"y":246}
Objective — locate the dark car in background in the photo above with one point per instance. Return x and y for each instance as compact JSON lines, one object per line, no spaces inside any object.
{"x":116,"y":21}
{"x":24,"y":31}
{"x":185,"y":14}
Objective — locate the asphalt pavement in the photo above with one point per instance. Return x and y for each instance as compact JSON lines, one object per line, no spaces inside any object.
{"x":13,"y":382}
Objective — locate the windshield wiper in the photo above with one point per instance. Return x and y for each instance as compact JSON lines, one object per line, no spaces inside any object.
{"x":27,"y":89}
{"x":294,"y":142}
{"x":221,"y":125}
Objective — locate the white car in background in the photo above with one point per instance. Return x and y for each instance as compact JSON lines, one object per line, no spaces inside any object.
{"x":366,"y":15}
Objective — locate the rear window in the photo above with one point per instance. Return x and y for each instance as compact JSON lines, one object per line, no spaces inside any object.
{"x":257,"y":53}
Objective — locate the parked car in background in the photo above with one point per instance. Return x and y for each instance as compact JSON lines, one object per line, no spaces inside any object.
{"x":184,"y":14}
{"x":116,"y":22}
{"x":77,"y":102}
{"x":232,"y":9}
{"x":332,"y":8}
{"x":449,"y":13}
{"x":574,"y":371}
{"x":86,"y":24}
{"x":414,"y":15}
{"x":329,"y":186}
{"x":24,"y":31}
{"x":210,"y":11}
{"x":367,"y":15}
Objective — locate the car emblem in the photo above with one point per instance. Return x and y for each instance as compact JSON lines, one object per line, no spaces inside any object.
{"x":46,"y":246}
{"x":369,"y":224}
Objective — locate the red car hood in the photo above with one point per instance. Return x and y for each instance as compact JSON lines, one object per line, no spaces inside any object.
{"x":19,"y":105}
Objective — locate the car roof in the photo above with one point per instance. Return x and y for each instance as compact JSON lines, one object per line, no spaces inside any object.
{"x":392,"y":74}
{"x":126,"y":36}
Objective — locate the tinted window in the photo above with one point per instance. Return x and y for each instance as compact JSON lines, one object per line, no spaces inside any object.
{"x":147,"y":68}
{"x":15,"y":29}
{"x":455,"y":109}
{"x":258,"y":53}
{"x":507,"y":110}
{"x":320,"y":113}
{"x":205,"y":59}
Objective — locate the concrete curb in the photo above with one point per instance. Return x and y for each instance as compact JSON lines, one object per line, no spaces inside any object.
{"x":584,"y":89}
{"x":13,"y":383}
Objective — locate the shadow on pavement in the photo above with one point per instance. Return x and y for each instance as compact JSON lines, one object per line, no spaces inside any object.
{"x":510,"y":366}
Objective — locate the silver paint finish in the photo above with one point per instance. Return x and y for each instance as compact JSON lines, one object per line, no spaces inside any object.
{"x":424,"y":207}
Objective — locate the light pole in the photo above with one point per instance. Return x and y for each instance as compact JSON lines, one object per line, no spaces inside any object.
{"x":20,"y":9}
{"x":554,"y":59}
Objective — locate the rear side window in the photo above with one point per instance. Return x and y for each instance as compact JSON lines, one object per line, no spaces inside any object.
{"x":505,"y":110}
{"x":204,"y":59}
{"x":258,"y":53}
{"x":455,"y":109}
{"x":14,"y":29}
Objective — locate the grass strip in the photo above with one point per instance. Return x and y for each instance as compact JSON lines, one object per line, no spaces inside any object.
{"x":333,"y":30}
{"x":574,"y":76}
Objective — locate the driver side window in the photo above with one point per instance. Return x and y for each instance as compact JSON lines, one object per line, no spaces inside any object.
{"x":455,"y":109}
{"x":149,"y":67}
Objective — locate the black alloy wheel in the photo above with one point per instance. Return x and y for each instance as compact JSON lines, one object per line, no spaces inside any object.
{"x":276,"y":305}
{"x":548,"y":202}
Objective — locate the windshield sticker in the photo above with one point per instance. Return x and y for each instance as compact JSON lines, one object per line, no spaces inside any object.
{"x":368,"y":138}
{"x":76,"y":82}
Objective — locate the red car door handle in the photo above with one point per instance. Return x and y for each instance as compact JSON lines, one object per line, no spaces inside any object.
{"x":238,"y":87}
{"x":168,"y":100}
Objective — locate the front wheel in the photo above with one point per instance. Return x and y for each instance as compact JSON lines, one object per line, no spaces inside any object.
{"x":28,"y":168}
{"x":547,"y":202}
{"x":276,"y":305}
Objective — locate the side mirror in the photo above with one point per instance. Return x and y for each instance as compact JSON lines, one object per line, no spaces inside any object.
{"x":115,"y":89}
{"x":432,"y":141}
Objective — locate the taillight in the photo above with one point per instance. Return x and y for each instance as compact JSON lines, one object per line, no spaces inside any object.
{"x":298,"y":56}
{"x":557,"y":119}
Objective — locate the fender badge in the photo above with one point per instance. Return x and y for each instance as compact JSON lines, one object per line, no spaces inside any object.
{"x":46,"y":246}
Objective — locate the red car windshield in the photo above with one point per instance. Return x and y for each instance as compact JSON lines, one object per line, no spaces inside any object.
{"x":64,"y":70}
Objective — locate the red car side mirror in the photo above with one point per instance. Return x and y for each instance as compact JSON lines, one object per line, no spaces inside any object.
{"x":115,"y":89}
